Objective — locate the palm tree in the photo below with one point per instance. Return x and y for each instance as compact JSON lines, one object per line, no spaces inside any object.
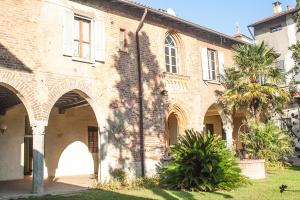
{"x":253,"y":84}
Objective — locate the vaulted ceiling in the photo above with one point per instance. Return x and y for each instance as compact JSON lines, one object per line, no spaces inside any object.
{"x":69,"y":100}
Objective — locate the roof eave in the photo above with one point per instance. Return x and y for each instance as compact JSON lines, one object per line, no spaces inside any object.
{"x":197,"y":26}
{"x":292,"y":11}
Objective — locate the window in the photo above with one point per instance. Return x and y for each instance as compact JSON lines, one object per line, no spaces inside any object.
{"x":171,"y":55}
{"x":210,"y":128}
{"x":93,"y":139}
{"x":82,"y":38}
{"x":276,"y":28}
{"x":123,"y":41}
{"x":280,"y":65}
{"x":212,"y":63}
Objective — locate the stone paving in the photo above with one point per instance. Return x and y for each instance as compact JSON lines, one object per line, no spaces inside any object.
{"x":56,"y":186}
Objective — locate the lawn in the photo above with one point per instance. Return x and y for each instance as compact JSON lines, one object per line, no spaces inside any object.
{"x":261,"y":189}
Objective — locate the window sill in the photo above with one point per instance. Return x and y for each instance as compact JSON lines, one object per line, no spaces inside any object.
{"x":83,"y":60}
{"x":123,"y":51}
{"x":175,"y":75}
{"x":214,"y":82}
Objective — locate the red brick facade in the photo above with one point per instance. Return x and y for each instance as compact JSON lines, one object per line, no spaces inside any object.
{"x":33,"y":65}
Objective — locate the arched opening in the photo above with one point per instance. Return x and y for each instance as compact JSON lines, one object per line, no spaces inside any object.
{"x":213,"y":122}
{"x":173,"y":129}
{"x":16,"y":152}
{"x":176,"y":124}
{"x":239,"y":126}
{"x":72,"y":137}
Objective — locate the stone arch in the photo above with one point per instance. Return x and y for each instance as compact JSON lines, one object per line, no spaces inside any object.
{"x":220,"y":121}
{"x":91,"y":95}
{"x":23,"y":92}
{"x":85,"y":90}
{"x":181,"y":116}
{"x":18,"y":117}
{"x":180,"y":49}
{"x":225,"y":118}
{"x":180,"y":113}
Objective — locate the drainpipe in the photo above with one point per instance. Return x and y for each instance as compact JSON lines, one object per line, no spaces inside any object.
{"x":140,"y":86}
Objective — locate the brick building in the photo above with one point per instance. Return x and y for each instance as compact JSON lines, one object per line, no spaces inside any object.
{"x":70,"y":95}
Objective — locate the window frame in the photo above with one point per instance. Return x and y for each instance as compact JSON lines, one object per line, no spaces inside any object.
{"x":276,"y":28}
{"x":81,"y":41}
{"x":213,"y":74}
{"x":124,"y":38}
{"x":168,"y":53}
{"x":93,"y":139}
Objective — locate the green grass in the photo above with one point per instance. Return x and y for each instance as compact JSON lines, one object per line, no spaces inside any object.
{"x":259,"y":190}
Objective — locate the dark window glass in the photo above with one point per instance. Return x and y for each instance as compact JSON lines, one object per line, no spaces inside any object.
{"x":93,"y":139}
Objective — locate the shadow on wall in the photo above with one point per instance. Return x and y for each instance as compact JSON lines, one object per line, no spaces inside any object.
{"x":123,"y":123}
{"x":10,"y":61}
{"x":66,"y":143}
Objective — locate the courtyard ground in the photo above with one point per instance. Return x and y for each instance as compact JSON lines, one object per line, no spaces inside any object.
{"x":258,"y":190}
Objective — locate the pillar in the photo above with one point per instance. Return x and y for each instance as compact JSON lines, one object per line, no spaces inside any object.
{"x":38,"y":132}
{"x":228,"y":128}
{"x":103,"y":170}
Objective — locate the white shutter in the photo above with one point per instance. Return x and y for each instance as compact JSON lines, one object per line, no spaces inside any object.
{"x":99,"y":39}
{"x":93,"y":40}
{"x":205,"y":71}
{"x":68,"y":32}
{"x":221,"y":65}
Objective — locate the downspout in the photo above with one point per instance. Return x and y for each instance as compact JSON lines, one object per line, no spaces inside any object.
{"x":140,"y":86}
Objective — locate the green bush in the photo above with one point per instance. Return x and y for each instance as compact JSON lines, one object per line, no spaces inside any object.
{"x":119,"y":175}
{"x":201,"y":162}
{"x":266,"y":141}
{"x":120,"y":181}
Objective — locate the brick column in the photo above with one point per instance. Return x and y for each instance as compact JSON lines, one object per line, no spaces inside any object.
{"x":38,"y":132}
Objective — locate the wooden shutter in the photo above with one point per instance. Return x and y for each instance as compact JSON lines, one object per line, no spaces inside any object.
{"x":205,"y":71}
{"x":99,"y":39}
{"x":68,"y":25}
{"x":221,"y":65}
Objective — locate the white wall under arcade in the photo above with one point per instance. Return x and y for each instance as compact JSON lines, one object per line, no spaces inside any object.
{"x":66,"y":143}
{"x":12,"y":144}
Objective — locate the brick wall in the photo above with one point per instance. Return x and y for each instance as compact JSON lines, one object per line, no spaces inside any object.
{"x":32,"y":63}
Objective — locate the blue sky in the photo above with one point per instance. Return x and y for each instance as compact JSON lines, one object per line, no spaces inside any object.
{"x":220,"y":15}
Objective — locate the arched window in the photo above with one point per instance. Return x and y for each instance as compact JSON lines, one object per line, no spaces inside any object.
{"x":171,"y":55}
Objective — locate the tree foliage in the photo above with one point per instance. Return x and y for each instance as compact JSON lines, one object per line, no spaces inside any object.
{"x":295,"y":49}
{"x":253,"y":84}
{"x":297,"y":14}
{"x":266,"y":141}
{"x":201,"y":162}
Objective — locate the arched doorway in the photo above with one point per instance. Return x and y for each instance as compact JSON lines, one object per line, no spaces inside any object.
{"x":176,"y":124}
{"x":173,"y":129}
{"x":72,"y":137}
{"x":16,"y":152}
{"x":213,"y":122}
{"x":239,"y":120}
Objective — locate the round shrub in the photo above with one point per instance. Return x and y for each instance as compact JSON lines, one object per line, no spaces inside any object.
{"x":266,"y":141}
{"x":201,"y":162}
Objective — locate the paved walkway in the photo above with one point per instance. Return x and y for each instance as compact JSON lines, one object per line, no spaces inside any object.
{"x":59,"y":185}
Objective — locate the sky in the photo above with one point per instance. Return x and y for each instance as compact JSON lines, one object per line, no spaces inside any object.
{"x":220,"y":15}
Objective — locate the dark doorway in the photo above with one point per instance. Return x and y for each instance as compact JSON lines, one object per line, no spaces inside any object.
{"x":28,"y":154}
